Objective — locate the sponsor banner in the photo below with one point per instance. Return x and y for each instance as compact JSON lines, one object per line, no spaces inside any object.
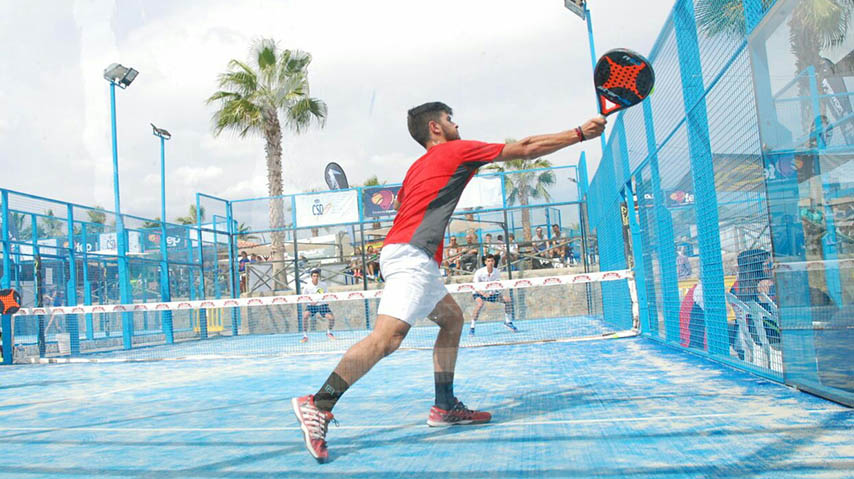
{"x":378,"y":201}
{"x":678,"y":198}
{"x":330,"y":297}
{"x":107,"y":243}
{"x":331,"y":208}
{"x":482,"y":192}
{"x":335,"y":177}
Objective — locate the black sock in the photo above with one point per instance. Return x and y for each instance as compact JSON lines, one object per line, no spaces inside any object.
{"x":444,"y":390}
{"x":330,"y":392}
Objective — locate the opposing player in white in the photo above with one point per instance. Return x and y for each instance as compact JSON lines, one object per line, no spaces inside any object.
{"x":483,"y":275}
{"x":316,"y":286}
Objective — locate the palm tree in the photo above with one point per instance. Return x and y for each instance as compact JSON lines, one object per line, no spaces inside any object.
{"x":814,"y":25}
{"x":51,"y":226}
{"x":521,"y":184}
{"x":151,"y":224}
{"x":244,"y":231}
{"x":250,"y":98}
{"x":18,"y":226}
{"x":193,"y":217}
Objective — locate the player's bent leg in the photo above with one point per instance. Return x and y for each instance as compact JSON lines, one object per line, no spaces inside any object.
{"x":314,"y":412}
{"x":306,"y":315}
{"x":385,"y":338}
{"x":474,"y":315}
{"x":331,"y":320}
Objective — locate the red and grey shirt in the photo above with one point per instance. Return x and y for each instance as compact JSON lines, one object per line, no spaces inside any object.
{"x":432,"y":189}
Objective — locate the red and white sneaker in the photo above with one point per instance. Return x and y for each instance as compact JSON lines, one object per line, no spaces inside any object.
{"x":330,"y":335}
{"x":304,"y":339}
{"x":313,"y":422}
{"x":459,"y":414}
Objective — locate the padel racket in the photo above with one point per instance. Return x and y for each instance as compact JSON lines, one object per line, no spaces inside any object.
{"x":10,"y":301}
{"x":622,"y":78}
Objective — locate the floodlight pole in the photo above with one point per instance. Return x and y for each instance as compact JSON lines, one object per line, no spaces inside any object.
{"x":124,"y":283}
{"x":165,"y":293}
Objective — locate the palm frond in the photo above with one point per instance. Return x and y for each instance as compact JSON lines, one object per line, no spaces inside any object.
{"x":305,"y":112}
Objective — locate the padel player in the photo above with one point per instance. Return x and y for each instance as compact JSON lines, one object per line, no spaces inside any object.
{"x":410,"y":262}
{"x":484,"y":275}
{"x":316,"y":286}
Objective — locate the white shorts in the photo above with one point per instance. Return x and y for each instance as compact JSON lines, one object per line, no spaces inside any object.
{"x":413,"y":283}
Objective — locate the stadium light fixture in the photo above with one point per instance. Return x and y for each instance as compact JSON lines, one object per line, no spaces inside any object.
{"x":578,"y":7}
{"x":120,"y":75}
{"x":160,"y":132}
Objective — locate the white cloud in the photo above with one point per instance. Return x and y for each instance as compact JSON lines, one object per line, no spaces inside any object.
{"x":509,"y":69}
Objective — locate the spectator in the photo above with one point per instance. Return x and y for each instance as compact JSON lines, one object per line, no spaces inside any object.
{"x":490,"y":247}
{"x":372,"y":264}
{"x":540,"y":246}
{"x":500,"y":249}
{"x":468,"y":260}
{"x":513,"y":253}
{"x":683,"y":264}
{"x":452,"y":256}
{"x":241,"y":268}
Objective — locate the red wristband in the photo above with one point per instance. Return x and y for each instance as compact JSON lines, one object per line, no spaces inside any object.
{"x":580,"y":134}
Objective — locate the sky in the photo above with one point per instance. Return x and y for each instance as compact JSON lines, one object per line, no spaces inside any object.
{"x":508,"y":68}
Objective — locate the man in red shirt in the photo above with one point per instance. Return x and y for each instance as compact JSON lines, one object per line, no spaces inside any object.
{"x":410,"y":259}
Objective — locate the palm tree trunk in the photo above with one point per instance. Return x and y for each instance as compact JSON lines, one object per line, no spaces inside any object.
{"x":526,"y":213}
{"x":273,"y":150}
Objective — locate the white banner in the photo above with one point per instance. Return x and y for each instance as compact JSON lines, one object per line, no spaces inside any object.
{"x":107,"y":243}
{"x":482,"y":192}
{"x":329,"y":208}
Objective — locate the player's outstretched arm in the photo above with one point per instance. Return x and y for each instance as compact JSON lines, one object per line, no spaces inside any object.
{"x":541,"y":145}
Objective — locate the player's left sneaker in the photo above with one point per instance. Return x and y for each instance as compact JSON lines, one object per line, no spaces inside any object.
{"x":313,"y":422}
{"x":330,"y":335}
{"x":304,"y":339}
{"x":459,"y":414}
{"x":511,"y":327}
{"x":471,"y":332}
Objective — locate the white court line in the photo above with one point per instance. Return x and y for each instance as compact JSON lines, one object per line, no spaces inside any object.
{"x":419,"y":424}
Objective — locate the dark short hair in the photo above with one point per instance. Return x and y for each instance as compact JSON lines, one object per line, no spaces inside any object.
{"x":490,"y":255}
{"x":315,"y":270}
{"x":418,"y":120}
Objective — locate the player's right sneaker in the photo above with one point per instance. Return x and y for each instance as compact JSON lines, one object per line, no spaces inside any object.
{"x":313,"y":422}
{"x":459,"y":414}
{"x":471,"y":332}
{"x":511,"y":327}
{"x":304,"y":339}
{"x":330,"y":335}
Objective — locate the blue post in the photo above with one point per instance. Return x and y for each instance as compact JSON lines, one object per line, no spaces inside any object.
{"x":5,"y":281}
{"x":703,"y":175}
{"x":637,"y":242}
{"x":203,"y":314}
{"x":71,"y":324}
{"x":234,"y":278}
{"x":665,"y":241}
{"x":165,"y":293}
{"x":122,"y":261}
{"x":87,"y":287}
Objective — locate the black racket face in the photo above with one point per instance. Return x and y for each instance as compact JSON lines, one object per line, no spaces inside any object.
{"x":622,"y":78}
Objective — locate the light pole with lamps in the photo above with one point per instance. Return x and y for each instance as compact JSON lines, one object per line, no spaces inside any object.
{"x":122,"y":77}
{"x":165,"y":294}
{"x":579,"y":7}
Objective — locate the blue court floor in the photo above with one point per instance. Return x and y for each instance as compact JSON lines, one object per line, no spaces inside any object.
{"x":605,"y":408}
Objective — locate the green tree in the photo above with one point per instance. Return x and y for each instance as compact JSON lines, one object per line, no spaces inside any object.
{"x":244,"y":231}
{"x":151,"y":224}
{"x":193,"y":217}
{"x":249,"y":101}
{"x":50,"y":226}
{"x":374,"y":181}
{"x":19,"y":223}
{"x":520,"y":184}
{"x":813,"y":25}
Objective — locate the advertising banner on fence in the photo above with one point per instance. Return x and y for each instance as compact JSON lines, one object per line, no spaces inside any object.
{"x":378,"y":201}
{"x":330,"y":208}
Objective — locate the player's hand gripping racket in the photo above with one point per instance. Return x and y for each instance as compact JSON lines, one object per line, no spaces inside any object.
{"x":622,"y":78}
